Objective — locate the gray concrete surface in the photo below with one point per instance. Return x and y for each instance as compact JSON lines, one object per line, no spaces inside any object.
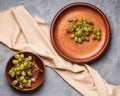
{"x":108,"y":65}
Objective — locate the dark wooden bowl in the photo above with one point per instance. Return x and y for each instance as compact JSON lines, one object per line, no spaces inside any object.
{"x":39,"y":76}
{"x":67,"y":48}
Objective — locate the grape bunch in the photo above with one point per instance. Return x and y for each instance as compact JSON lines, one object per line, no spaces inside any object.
{"x":81,"y":30}
{"x":21,"y":72}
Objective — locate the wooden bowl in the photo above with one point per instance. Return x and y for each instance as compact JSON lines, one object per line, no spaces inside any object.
{"x":39,"y":76}
{"x":67,"y":48}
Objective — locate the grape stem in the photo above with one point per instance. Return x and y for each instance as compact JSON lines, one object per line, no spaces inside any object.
{"x":18,"y":79}
{"x":37,"y":67}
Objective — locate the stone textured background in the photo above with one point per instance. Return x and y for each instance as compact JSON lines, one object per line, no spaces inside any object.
{"x":108,"y":65}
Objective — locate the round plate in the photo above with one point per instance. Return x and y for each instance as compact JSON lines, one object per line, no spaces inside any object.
{"x":67,"y":48}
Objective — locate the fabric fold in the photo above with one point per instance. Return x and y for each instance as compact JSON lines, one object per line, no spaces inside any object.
{"x":21,"y":31}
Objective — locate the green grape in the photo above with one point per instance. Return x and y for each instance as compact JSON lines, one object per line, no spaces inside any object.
{"x":26,"y":59}
{"x":18,"y":73}
{"x":87,"y":33}
{"x":84,"y":21}
{"x":69,"y":29}
{"x":29,"y":73}
{"x":29,"y":58}
{"x":20,"y":60}
{"x":17,"y":68}
{"x":29,"y":81}
{"x":75,"y":39}
{"x":12,"y":68}
{"x":98,"y":38}
{"x":98,"y":30}
{"x":76,"y":34}
{"x":15,"y":61}
{"x":80,"y":33}
{"x":81,"y":19}
{"x":24,"y":81}
{"x":22,"y":55}
{"x":21,"y":78}
{"x":94,"y":36}
{"x":23,"y":73}
{"x":83,"y":38}
{"x":21,"y":86}
{"x":88,"y":20}
{"x":75,"y":19}
{"x":87,"y":38}
{"x":15,"y":82}
{"x":25,"y":64}
{"x":16,"y":56}
{"x":90,"y":29}
{"x":28,"y":85}
{"x":77,"y":29}
{"x":75,"y":26}
{"x":85,"y":29}
{"x":95,"y":31}
{"x":12,"y":74}
{"x":70,"y":20}
{"x":10,"y":71}
{"x":91,"y":23}
{"x":17,"y":65}
{"x":33,"y":80}
{"x":98,"y":33}
{"x":79,"y":40}
{"x":72,"y":36}
{"x":21,"y":67}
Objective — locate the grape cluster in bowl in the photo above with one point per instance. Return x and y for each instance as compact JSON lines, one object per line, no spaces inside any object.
{"x":25,"y":71}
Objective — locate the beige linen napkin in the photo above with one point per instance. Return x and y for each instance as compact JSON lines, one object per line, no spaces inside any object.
{"x":20,"y":31}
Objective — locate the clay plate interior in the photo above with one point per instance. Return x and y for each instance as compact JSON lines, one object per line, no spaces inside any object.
{"x":39,"y":76}
{"x":67,"y":48}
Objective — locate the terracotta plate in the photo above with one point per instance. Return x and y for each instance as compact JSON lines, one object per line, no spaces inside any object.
{"x":67,"y":48}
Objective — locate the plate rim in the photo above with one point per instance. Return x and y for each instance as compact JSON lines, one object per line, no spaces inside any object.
{"x":91,"y":58}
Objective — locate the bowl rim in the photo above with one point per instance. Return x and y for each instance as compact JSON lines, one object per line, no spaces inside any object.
{"x":31,"y":88}
{"x":95,"y":56}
